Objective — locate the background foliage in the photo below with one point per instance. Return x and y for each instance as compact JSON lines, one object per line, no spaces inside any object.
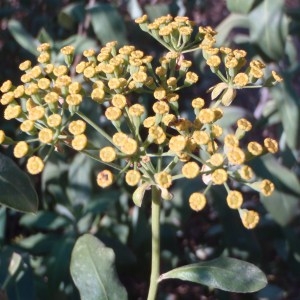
{"x":70,"y":204}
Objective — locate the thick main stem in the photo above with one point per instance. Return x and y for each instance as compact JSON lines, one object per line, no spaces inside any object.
{"x":155,"y":229}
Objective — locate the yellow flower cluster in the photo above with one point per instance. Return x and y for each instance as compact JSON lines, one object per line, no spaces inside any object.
{"x":150,"y":140}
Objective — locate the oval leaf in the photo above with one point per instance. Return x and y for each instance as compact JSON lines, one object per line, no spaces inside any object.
{"x":93,"y":270}
{"x":224,"y":273}
{"x":17,"y":191}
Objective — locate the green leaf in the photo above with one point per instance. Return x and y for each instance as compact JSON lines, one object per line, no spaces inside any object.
{"x":269,"y":27}
{"x":228,"y":24}
{"x":108,"y":24}
{"x":289,"y":109}
{"x":22,"y":36}
{"x":17,"y":191}
{"x":224,"y":273}
{"x":283,"y":207}
{"x":240,"y":6}
{"x":93,"y":270}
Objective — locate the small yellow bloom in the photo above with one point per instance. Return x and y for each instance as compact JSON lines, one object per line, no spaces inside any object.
{"x":177,"y":143}
{"x":25,"y":65}
{"x":236,"y":156}
{"x":168,"y":119}
{"x":161,"y":107}
{"x":249,"y":218}
{"x":89,"y":72}
{"x":12,"y":111}
{"x":119,"y":138}
{"x":27,"y":126}
{"x":21,"y":149}
{"x":244,"y":124}
{"x":219,"y":176}
{"x":231,"y":141}
{"x":31,"y":89}
{"x":133,"y":177}
{"x":246,"y":173}
{"x":46,"y":135}
{"x":276,"y":76}
{"x":74,"y":88}
{"x":160,"y":93}
{"x":60,"y":70}
{"x":216,"y":159}
{"x":136,"y":110}
{"x":19,"y":91}
{"x":105,"y":178}
{"x":119,"y":101}
{"x":201,"y":137}
{"x":6,"y":86}
{"x":108,"y":154}
{"x":271,"y":145}
{"x":255,"y":148}
{"x":74,"y":99}
{"x":129,"y":146}
{"x":190,"y":170}
{"x":206,"y":115}
{"x":43,"y":47}
{"x":113,"y":113}
{"x":77,"y":127}
{"x":54,"y":120}
{"x":44,"y":83}
{"x":191,"y":77}
{"x":157,"y":134}
{"x":35,"y":165}
{"x":234,"y":199}
{"x":216,"y":131}
{"x":80,"y":67}
{"x":197,"y":201}
{"x":2,"y":136}
{"x":89,"y":52}
{"x":98,"y":94}
{"x":140,"y":77}
{"x":35,"y":72}
{"x":214,"y":61}
{"x":163,"y":179}
{"x":267,"y":187}
{"x":241,"y":79}
{"x":79,"y":142}
{"x":51,"y":97}
{"x":142,"y":19}
{"x":43,"y":58}
{"x":149,"y":122}
{"x":63,"y":81}
{"x":67,"y":50}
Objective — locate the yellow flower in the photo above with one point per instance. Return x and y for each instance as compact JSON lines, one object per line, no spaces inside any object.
{"x":43,"y":58}
{"x":51,"y":97}
{"x":43,"y":47}
{"x":63,"y":81}
{"x":216,"y":131}
{"x":200,"y":137}
{"x":276,"y":76}
{"x":113,"y":113}
{"x":25,"y":65}
{"x":241,"y":79}
{"x":206,"y":115}
{"x":79,"y":142}
{"x":133,"y":177}
{"x":197,"y":201}
{"x":211,"y":147}
{"x":161,"y":107}
{"x":149,"y":122}
{"x":234,"y":199}
{"x":157,"y":134}
{"x":31,"y":89}
{"x":267,"y":187}
{"x":231,"y":141}
{"x":12,"y":111}
{"x":49,"y":68}
{"x":214,"y":61}
{"x":6,"y":86}
{"x":159,"y":93}
{"x":119,"y":101}
{"x":236,"y":156}
{"x":89,"y":52}
{"x":74,"y":99}
{"x":2,"y":136}
{"x":19,"y":91}
{"x":77,"y":127}
{"x":249,"y":218}
{"x":54,"y":120}
{"x":185,"y":30}
{"x":129,"y":146}
{"x":21,"y":149}
{"x":35,"y":72}
{"x":60,"y":70}
{"x":74,"y":88}
{"x":67,"y":50}
{"x":142,"y":19}
{"x":190,"y":170}
{"x":244,"y":124}
{"x":119,"y":138}
{"x":98,"y":94}
{"x":105,"y":178}
{"x":177,"y":143}
{"x":168,"y":119}
{"x":219,"y":176}
{"x":255,"y":148}
{"x":246,"y":173}
{"x":191,"y":77}
{"x":35,"y":165}
{"x":44,"y":83}
{"x":136,"y":110}
{"x":27,"y":126}
{"x":231,"y":62}
{"x":271,"y":145}
{"x":89,"y":72}
{"x":107,"y":154}
{"x":46,"y":135}
{"x":80,"y":67}
{"x":163,"y":179}
{"x":216,"y":159}
{"x":256,"y":72}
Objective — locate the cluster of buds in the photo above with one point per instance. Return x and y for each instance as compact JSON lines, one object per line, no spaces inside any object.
{"x":148,"y":144}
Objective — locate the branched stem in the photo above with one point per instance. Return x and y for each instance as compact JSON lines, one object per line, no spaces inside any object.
{"x":155,"y":229}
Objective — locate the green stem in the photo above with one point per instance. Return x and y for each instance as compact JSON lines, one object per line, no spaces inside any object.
{"x":155,"y":228}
